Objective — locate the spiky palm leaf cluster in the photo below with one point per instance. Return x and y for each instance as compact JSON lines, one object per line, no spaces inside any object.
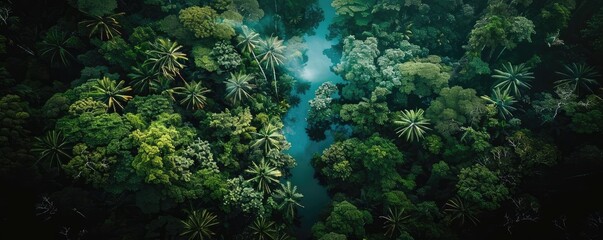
{"x":164,"y":58}
{"x":513,"y":78}
{"x":394,"y":221}
{"x":143,"y":79}
{"x":263,"y":175}
{"x":52,"y":147}
{"x":289,"y":198}
{"x":272,"y":55}
{"x":198,"y":225}
{"x":56,"y":45}
{"x":263,"y":229}
{"x":106,"y":27}
{"x":113,"y":94}
{"x":193,"y":95}
{"x":268,"y":138}
{"x":412,"y":124}
{"x":458,"y":211}
{"x":238,"y":87}
{"x":502,"y":101}
{"x":249,"y":41}
{"x":578,"y":75}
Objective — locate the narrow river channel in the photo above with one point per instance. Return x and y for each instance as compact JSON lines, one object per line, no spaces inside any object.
{"x":316,"y":71}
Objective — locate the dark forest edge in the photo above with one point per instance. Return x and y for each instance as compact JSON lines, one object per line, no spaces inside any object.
{"x":154,"y":119}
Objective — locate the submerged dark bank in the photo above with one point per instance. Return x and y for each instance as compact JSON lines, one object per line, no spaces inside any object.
{"x":183,"y":119}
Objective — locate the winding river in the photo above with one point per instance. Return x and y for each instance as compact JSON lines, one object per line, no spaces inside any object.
{"x":315,"y":71}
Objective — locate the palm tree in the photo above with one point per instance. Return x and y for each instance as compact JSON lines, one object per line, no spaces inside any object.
{"x":268,"y":138}
{"x":56,"y":44}
{"x":502,"y":101}
{"x":165,"y":58}
{"x":249,"y":41}
{"x":193,"y":95}
{"x":272,"y":54}
{"x":412,"y":124}
{"x":198,"y":225}
{"x":107,"y":26}
{"x":263,"y":174}
{"x":106,"y":91}
{"x":577,"y":75}
{"x":52,"y":147}
{"x":263,"y":229}
{"x":289,"y":196}
{"x":143,"y":78}
{"x":238,"y":87}
{"x":394,"y":221}
{"x":458,"y":211}
{"x":513,"y":78}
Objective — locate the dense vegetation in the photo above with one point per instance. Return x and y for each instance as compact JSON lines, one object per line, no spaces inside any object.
{"x":155,"y":119}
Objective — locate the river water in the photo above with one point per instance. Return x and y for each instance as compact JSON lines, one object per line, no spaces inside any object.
{"x":316,"y":71}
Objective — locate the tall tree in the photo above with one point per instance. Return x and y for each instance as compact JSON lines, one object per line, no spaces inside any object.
{"x":249,"y":40}
{"x":165,"y":57}
{"x":272,"y":54}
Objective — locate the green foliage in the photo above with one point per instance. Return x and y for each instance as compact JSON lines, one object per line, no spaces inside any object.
{"x":150,"y":107}
{"x":193,"y":95}
{"x":250,"y":9}
{"x":92,"y":165}
{"x":594,"y":31}
{"x":97,"y":7}
{"x":226,"y":56}
{"x":358,"y":67}
{"x":87,"y":105}
{"x":199,"y":20}
{"x":412,"y":124}
{"x":117,"y":51}
{"x":93,"y":128}
{"x":422,"y":78}
{"x":358,"y":9}
{"x":507,"y":31}
{"x":368,"y":114}
{"x":113,"y":94}
{"x":229,"y":124}
{"x":512,"y":78}
{"x":455,"y":107}
{"x":534,"y":152}
{"x":155,"y":146}
{"x":198,"y":225}
{"x":243,"y":197}
{"x":204,"y":59}
{"x":479,"y":186}
{"x":345,"y":219}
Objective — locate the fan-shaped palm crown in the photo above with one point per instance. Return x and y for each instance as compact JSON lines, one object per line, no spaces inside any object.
{"x":263,"y":175}
{"x":198,"y":225}
{"x":249,"y":41}
{"x":394,"y":221}
{"x":193,"y":95}
{"x":238,"y":87}
{"x":268,"y":138}
{"x":165,"y":57}
{"x":263,"y":229}
{"x":105,"y":26}
{"x":52,"y":147}
{"x":113,"y":94}
{"x":289,"y":198}
{"x":412,"y":124}
{"x":513,"y":78}
{"x":272,"y":55}
{"x":578,"y":75}
{"x":502,"y":101}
